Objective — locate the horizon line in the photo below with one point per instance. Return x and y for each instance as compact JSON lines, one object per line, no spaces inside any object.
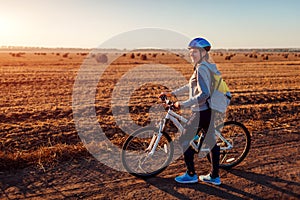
{"x":7,"y":47}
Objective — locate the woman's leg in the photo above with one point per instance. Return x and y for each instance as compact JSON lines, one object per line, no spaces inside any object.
{"x":215,"y":159}
{"x":211,"y":142}
{"x":189,"y":133}
{"x":197,"y":121}
{"x":189,"y":161}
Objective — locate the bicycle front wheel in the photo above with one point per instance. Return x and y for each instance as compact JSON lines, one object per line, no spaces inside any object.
{"x":136,"y":156}
{"x":239,"y":137}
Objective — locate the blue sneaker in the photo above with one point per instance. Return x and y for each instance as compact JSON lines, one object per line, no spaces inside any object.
{"x":186,"y":178}
{"x":208,"y":179}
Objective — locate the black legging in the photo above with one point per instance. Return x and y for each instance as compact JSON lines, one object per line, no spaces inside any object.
{"x":198,"y":121}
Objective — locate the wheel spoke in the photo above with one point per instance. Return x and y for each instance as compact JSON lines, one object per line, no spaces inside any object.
{"x":239,"y":138}
{"x":136,"y":158}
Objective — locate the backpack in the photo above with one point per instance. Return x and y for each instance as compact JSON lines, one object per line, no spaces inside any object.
{"x":220,"y":95}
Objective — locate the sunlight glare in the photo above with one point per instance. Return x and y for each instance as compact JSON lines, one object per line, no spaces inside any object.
{"x":6,"y":27}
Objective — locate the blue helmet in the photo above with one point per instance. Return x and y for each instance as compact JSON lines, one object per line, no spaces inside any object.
{"x":200,"y":43}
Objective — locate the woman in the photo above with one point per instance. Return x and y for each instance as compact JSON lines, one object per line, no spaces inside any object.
{"x":199,"y":92}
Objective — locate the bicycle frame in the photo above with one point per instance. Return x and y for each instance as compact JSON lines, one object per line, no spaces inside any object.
{"x":176,"y":119}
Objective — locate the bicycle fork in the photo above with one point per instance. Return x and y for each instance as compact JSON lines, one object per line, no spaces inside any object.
{"x":155,"y":139}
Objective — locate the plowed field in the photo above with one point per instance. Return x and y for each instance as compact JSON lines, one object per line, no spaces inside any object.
{"x":42,"y":156}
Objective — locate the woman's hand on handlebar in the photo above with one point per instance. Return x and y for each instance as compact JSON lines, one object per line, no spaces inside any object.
{"x":167,"y":103}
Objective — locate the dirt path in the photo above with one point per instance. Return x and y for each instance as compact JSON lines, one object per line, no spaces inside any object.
{"x":269,"y":172}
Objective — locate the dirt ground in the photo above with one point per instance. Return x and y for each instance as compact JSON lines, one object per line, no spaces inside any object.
{"x":42,"y":157}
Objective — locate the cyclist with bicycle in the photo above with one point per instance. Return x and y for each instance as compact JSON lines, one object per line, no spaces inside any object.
{"x":199,"y":92}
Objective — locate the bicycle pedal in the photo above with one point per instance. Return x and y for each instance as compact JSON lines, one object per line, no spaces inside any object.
{"x":196,"y":138}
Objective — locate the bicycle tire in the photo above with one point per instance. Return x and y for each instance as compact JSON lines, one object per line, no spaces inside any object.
{"x":133,"y":151}
{"x":237,"y":153}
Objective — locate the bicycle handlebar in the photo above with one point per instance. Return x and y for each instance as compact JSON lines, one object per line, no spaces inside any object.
{"x":167,"y":102}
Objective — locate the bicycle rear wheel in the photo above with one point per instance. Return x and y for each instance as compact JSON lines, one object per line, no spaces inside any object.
{"x":239,"y":137}
{"x":135,"y":156}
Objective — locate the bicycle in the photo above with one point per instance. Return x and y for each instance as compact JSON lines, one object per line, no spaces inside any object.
{"x":149,"y":150}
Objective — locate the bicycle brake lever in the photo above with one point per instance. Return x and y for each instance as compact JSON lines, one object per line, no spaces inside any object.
{"x":163,"y":97}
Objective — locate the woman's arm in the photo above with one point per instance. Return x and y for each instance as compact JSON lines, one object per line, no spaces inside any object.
{"x":181,"y":90}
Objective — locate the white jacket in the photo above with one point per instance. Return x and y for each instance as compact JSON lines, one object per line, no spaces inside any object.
{"x":198,"y":87}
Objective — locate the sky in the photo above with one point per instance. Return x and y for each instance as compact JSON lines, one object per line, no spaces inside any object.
{"x":90,"y":23}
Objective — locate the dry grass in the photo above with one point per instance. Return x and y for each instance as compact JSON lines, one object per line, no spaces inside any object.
{"x":43,"y":156}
